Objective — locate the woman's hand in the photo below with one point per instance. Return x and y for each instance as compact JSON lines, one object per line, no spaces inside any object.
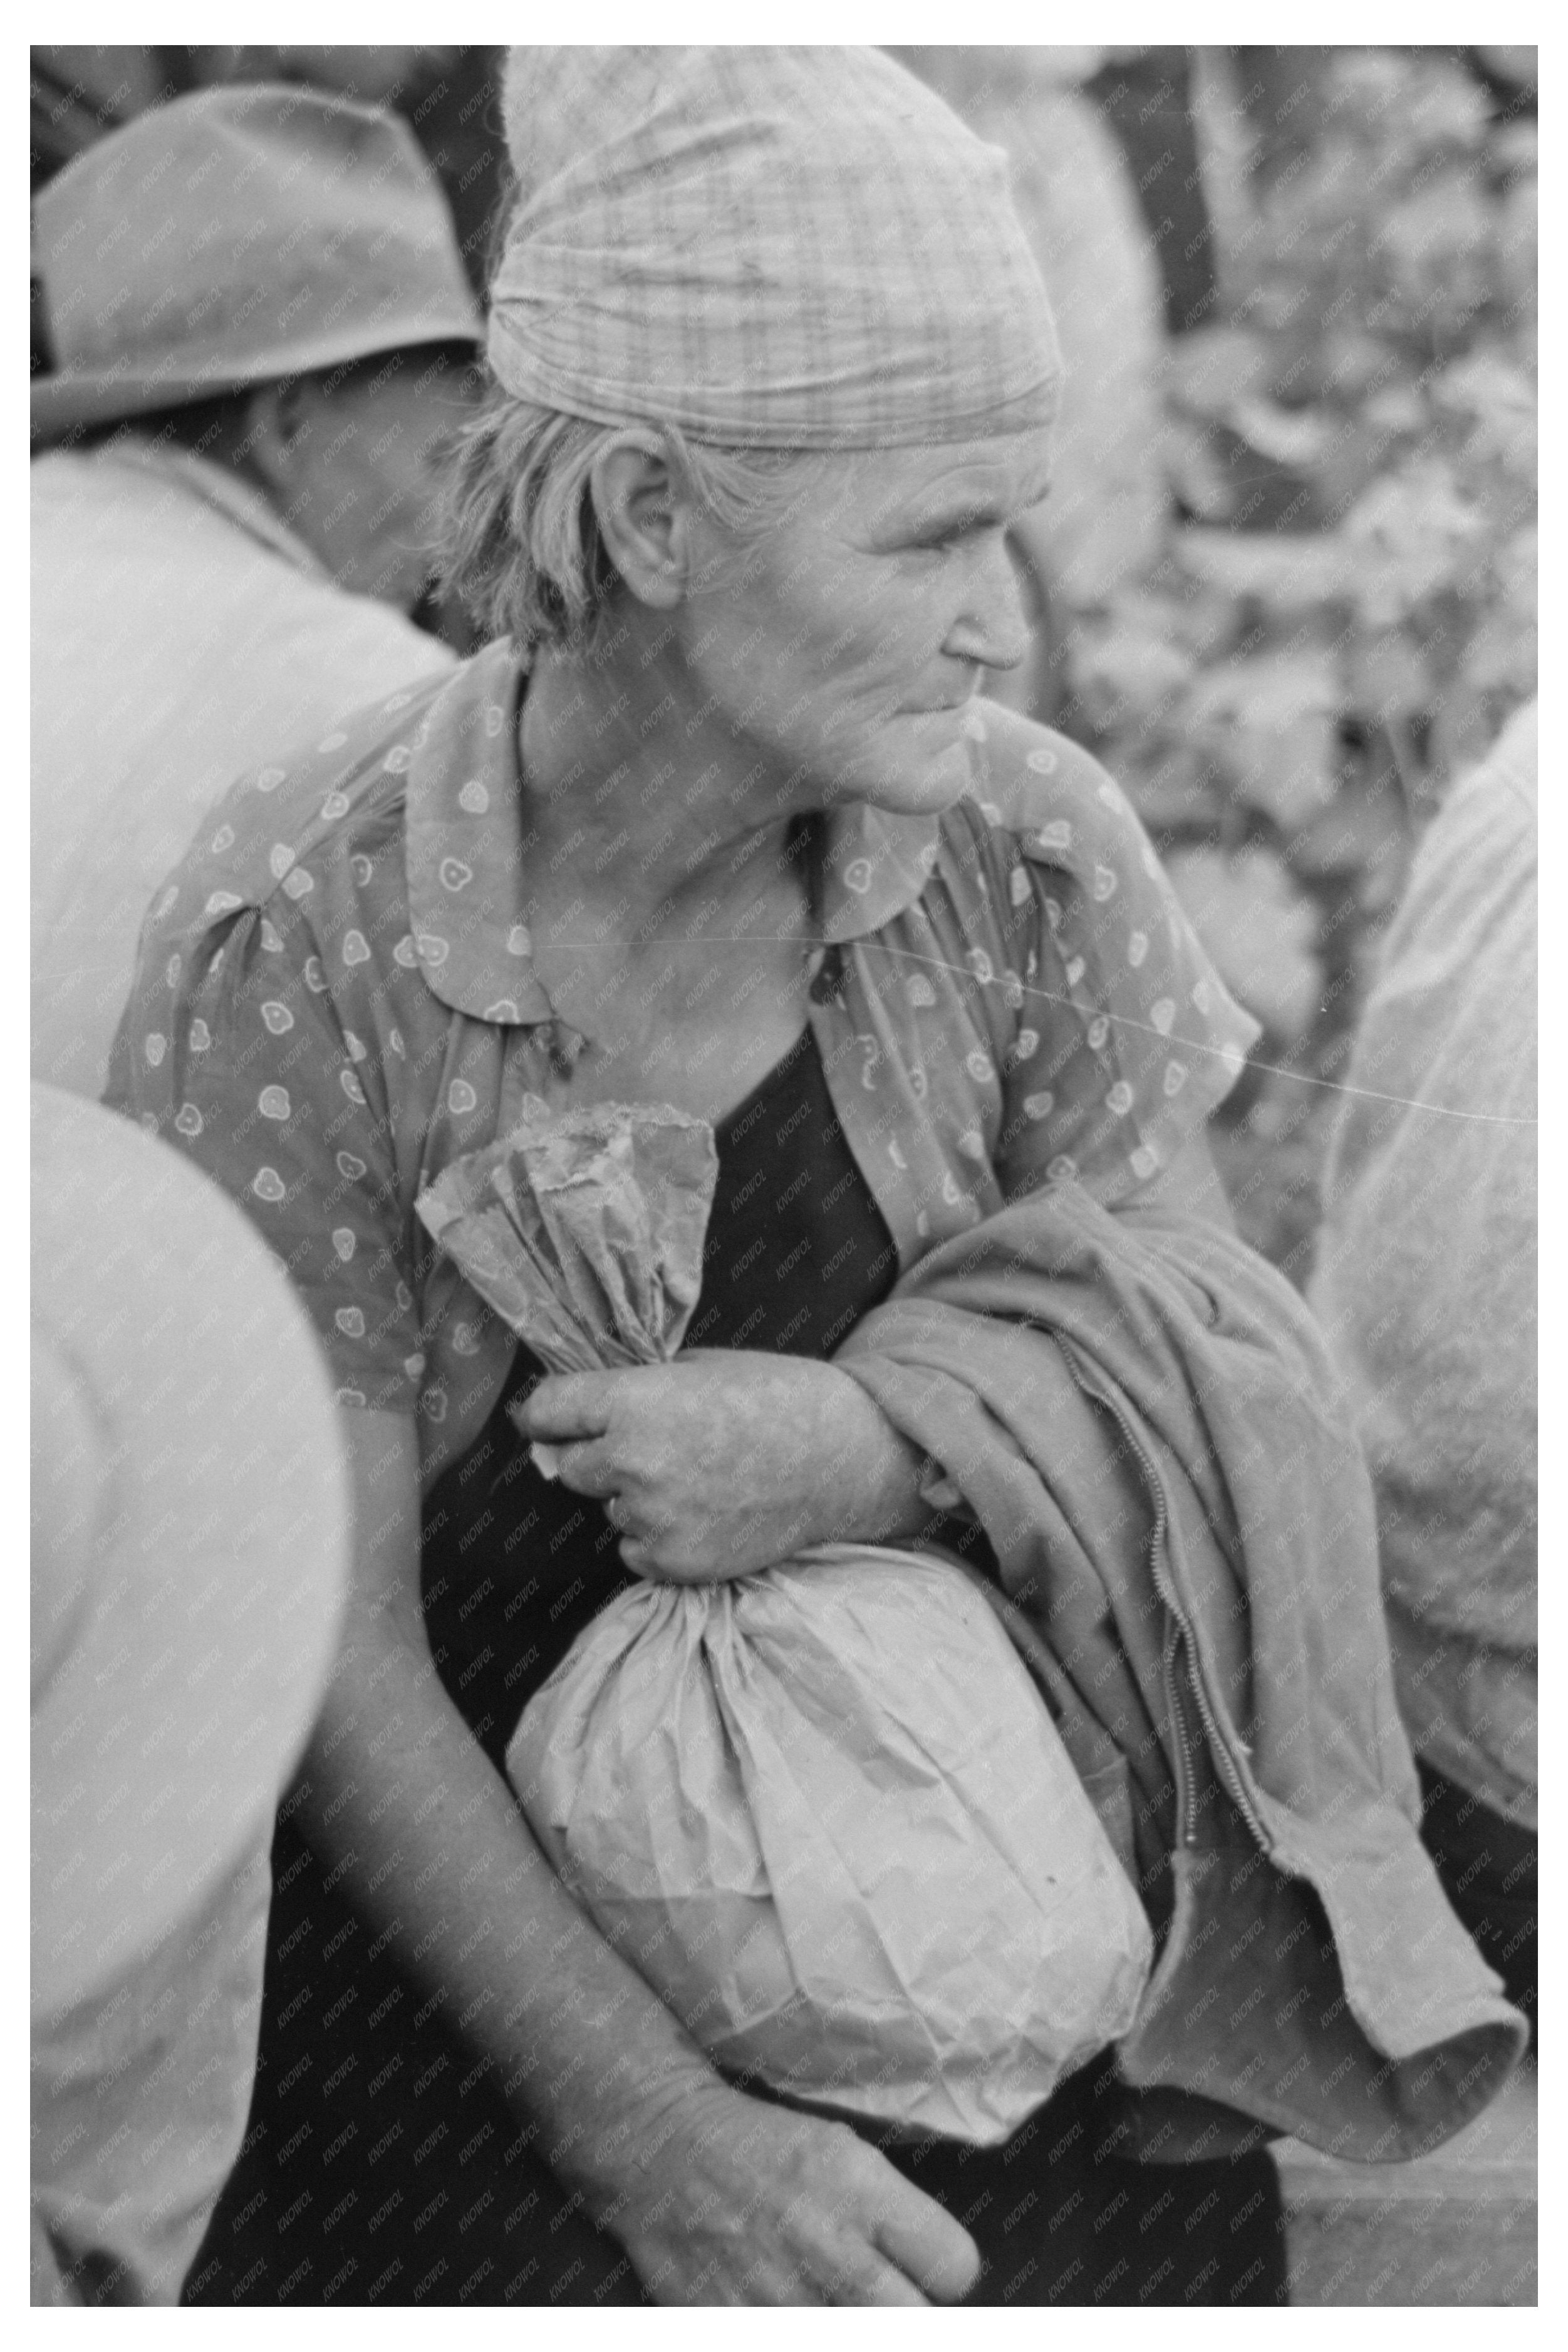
{"x":727,"y":1460}
{"x":734,"y":2201}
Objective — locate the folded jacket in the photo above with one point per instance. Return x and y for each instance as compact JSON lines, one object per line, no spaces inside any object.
{"x":1144,"y":1419}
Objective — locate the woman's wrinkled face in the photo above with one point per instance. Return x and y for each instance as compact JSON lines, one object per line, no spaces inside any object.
{"x":842,"y":645}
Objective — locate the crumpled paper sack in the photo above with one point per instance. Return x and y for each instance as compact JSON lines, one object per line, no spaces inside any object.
{"x":824,"y":1813}
{"x":822,"y":1809}
{"x":584,"y":1230}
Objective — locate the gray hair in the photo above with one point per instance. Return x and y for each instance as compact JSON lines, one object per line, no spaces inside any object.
{"x":521,"y":545}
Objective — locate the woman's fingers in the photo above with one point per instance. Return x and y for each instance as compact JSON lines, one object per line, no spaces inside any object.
{"x":756,"y":2204}
{"x":866,"y":2281}
{"x":589,"y":1468}
{"x":924,"y":2241}
{"x":568,"y":1405}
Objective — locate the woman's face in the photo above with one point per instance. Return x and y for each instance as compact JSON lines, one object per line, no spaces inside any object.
{"x":841,"y":646}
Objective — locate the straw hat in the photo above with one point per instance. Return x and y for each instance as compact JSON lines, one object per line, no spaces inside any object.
{"x":190,"y":1544}
{"x":236,"y":236}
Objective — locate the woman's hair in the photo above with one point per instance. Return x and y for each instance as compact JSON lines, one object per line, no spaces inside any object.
{"x":521,"y":545}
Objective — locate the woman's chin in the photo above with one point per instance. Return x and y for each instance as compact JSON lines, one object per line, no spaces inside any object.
{"x":919,"y":765}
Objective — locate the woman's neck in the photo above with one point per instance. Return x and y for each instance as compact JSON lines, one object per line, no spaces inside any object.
{"x":639,"y":802}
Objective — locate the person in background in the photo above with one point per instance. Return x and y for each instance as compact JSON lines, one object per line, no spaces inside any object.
{"x":190,"y":1509}
{"x":260,"y":325}
{"x":1146,"y":96}
{"x":1425,"y":1285}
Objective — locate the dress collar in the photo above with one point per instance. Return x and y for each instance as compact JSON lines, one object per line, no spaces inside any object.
{"x":466,"y":896}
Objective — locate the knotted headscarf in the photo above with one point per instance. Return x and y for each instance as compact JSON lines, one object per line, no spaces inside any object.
{"x":768,"y":248}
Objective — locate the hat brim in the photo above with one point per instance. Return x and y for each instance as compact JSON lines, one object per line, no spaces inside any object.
{"x":73,"y":397}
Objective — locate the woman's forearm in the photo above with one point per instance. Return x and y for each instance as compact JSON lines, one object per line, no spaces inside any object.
{"x":871,"y":1476}
{"x":404,"y":1807}
{"x":715,"y":2197}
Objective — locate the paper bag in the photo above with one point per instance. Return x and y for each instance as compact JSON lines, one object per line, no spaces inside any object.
{"x":822,"y":1809}
{"x":825,"y":1814}
{"x":584,"y":1230}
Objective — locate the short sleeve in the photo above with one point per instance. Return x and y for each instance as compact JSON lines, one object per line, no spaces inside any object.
{"x":233,"y":1049}
{"x":1124,"y":1038}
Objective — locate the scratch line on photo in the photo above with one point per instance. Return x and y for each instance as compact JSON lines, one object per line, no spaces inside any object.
{"x":1122,"y":1020}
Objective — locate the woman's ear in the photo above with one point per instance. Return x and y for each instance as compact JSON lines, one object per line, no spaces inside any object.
{"x":643,"y":510}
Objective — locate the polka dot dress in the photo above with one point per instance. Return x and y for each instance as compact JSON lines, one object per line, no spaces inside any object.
{"x":336,"y":997}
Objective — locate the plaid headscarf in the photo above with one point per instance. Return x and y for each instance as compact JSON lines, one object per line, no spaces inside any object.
{"x":769,"y":248}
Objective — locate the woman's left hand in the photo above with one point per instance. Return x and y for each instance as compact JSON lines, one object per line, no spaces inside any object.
{"x":727,"y":1460}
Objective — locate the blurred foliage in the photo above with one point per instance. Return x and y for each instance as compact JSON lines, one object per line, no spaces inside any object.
{"x":1343,"y":613}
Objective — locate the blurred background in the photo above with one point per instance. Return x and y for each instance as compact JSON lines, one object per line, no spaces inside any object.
{"x":1287,"y":587}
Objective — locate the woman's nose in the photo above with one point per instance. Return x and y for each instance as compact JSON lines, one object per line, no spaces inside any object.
{"x":991,"y":630}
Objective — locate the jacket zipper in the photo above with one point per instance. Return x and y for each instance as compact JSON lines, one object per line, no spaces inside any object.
{"x":1186,"y":1833}
{"x":1177,"y":1628}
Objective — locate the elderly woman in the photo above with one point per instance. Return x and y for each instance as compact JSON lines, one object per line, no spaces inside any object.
{"x":718,"y":822}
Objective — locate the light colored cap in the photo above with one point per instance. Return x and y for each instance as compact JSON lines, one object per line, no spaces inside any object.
{"x":237,"y":237}
{"x":191,"y":1522}
{"x":767,"y":247}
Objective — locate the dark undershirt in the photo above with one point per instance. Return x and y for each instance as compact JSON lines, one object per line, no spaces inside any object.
{"x":515,"y":1565}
